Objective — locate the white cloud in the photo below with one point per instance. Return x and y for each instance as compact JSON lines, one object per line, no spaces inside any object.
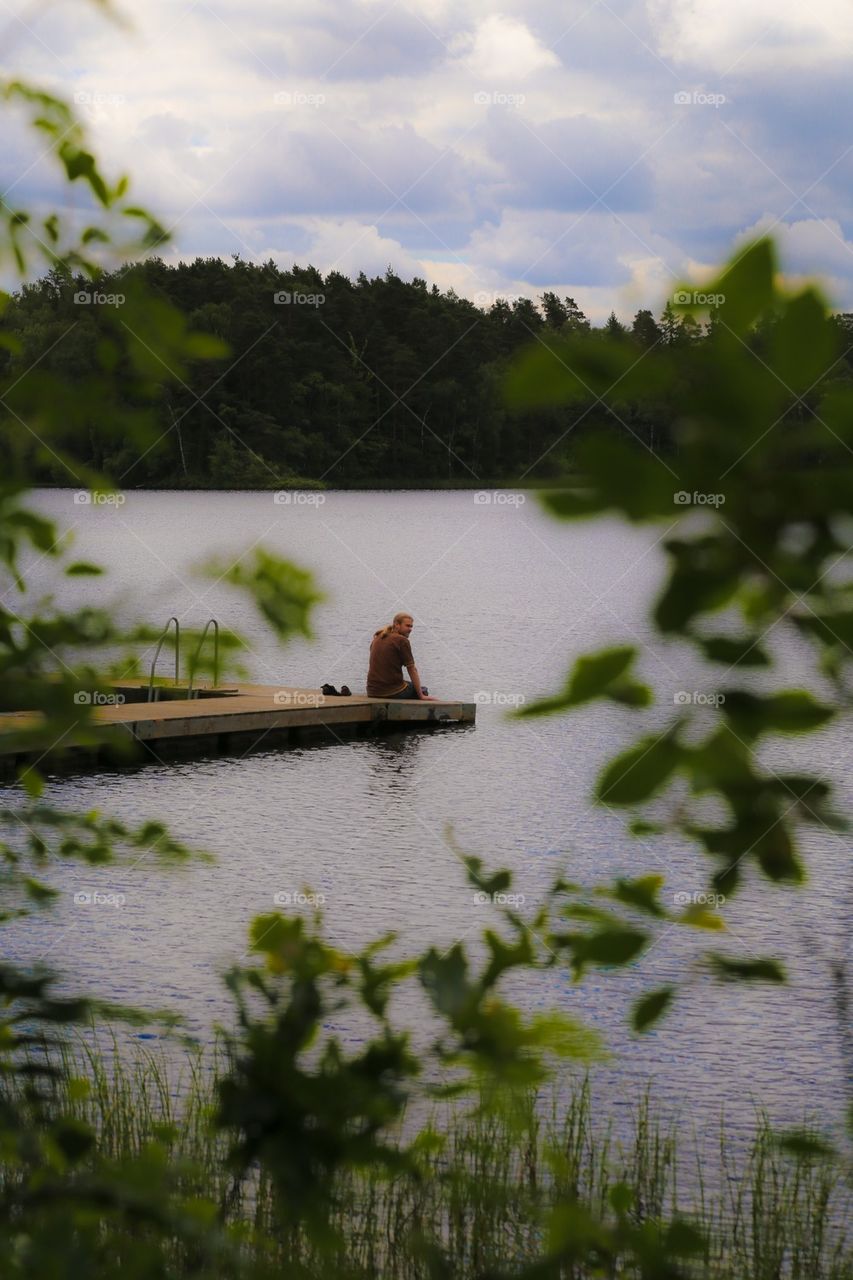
{"x":502,"y":50}
{"x":719,"y":34}
{"x":349,"y":246}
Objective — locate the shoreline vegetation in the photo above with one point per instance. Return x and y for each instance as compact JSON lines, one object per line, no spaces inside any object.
{"x":322,"y":381}
{"x":485,"y":1184}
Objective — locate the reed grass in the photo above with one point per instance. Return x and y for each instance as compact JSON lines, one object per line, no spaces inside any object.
{"x":488,"y":1179}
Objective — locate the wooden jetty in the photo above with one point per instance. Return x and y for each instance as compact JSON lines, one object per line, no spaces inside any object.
{"x":234,"y":719}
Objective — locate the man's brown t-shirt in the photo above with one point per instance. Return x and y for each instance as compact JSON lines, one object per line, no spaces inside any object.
{"x":388,"y":655}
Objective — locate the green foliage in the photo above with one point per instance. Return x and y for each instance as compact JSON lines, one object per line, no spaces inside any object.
{"x":761,"y":465}
{"x":284,"y":593}
{"x":603,"y":675}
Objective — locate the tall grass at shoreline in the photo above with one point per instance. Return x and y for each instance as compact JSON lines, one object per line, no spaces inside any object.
{"x":487,"y":1180}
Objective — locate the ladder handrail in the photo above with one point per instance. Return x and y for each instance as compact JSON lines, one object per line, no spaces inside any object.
{"x":160,"y":644}
{"x":211,"y":622}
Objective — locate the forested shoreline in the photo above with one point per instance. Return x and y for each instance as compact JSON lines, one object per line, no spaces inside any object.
{"x":338,"y":383}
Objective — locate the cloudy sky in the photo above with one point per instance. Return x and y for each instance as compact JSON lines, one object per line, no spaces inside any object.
{"x":600,"y":148}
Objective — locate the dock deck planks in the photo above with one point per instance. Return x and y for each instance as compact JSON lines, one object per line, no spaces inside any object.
{"x":250,"y":717}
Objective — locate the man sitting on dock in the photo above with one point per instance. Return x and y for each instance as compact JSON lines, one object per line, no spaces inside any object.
{"x":390,"y":651}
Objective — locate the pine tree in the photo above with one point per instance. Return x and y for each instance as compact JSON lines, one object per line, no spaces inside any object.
{"x":644,"y":330}
{"x":575,"y":318}
{"x":614,"y":328}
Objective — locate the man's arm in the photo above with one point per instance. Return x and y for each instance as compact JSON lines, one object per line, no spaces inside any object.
{"x":416,"y":684}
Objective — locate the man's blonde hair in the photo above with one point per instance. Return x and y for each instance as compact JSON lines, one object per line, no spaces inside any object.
{"x":386,"y":631}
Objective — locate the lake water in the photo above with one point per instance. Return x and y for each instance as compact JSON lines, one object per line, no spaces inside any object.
{"x":502,"y":597}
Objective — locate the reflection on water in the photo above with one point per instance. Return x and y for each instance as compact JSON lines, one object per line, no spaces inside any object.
{"x":502,"y":599}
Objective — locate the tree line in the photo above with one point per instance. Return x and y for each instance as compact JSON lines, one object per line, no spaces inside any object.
{"x":364,"y":383}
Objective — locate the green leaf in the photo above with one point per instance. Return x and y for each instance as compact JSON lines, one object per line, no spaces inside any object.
{"x":805,"y":1145}
{"x":747,"y":970}
{"x":445,"y":980}
{"x":496,"y":882}
{"x":651,"y":1007}
{"x":74,"y":1138}
{"x":743,"y":651}
{"x":699,"y":917}
{"x":640,"y":772}
{"x":615,"y":946}
{"x":597,"y":675}
{"x":32,"y":781}
{"x":792,"y":711}
{"x":640,"y":893}
{"x":622,"y":476}
{"x":205,"y":346}
{"x":558,"y":370}
{"x":747,"y":286}
{"x":621,"y":1198}
{"x":283,"y":593}
{"x":82,"y":568}
{"x":804,"y":344}
{"x":38,"y":892}
{"x":829,"y":628}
